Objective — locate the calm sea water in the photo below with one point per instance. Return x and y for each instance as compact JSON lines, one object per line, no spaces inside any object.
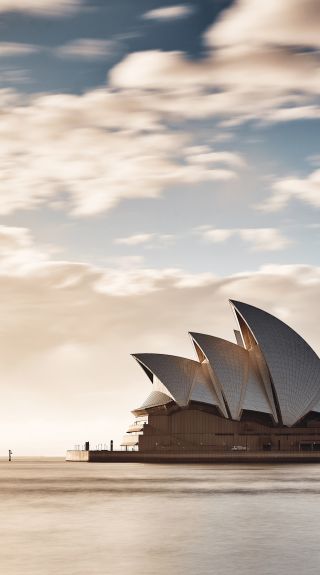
{"x":62,"y":518}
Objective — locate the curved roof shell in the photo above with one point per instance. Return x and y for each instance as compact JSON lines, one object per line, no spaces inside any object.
{"x":234,"y":375}
{"x":293,"y":365}
{"x":154,"y":399}
{"x":228,"y":363}
{"x":183,"y":378}
{"x":204,"y":391}
{"x":256,"y":397}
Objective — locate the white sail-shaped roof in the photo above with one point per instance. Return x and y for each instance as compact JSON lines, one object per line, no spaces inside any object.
{"x":293,"y":366}
{"x":204,"y":391}
{"x":255,"y":397}
{"x":234,"y":374}
{"x":228,"y":364}
{"x":182,"y":377}
{"x":154,"y":399}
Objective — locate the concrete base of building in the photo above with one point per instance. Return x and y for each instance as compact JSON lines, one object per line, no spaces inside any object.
{"x":192,"y":457}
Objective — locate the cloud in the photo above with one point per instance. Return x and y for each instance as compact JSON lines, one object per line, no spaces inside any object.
{"x":252,"y":23}
{"x":12,"y":238}
{"x":155,"y":69}
{"x":65,"y":330}
{"x":88,"y":49}
{"x":232,"y":72}
{"x":86,"y":153}
{"x":40,"y":7}
{"x":134,"y":240}
{"x":293,"y":113}
{"x":16,"y":49}
{"x":252,"y":70}
{"x":169,"y":13}
{"x":18,"y":254}
{"x":232,"y":86}
{"x":150,"y":239}
{"x":205,"y":155}
{"x":13,"y":76}
{"x":306,"y":190}
{"x":264,"y":239}
{"x":260,"y":239}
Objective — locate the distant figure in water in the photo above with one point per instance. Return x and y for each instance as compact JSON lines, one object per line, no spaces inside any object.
{"x":10,"y":454}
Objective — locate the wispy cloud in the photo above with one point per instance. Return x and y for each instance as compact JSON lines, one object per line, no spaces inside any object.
{"x":40,"y":7}
{"x":134,"y":240}
{"x":13,"y":76}
{"x":204,"y":155}
{"x":149,"y":239}
{"x":88,"y":49}
{"x":259,"y":239}
{"x":252,"y":23}
{"x":306,"y":190}
{"x":18,"y":254}
{"x":91,"y":151}
{"x":16,"y":49}
{"x":175,"y":12}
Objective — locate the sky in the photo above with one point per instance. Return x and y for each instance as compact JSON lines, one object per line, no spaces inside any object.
{"x":157,"y":158}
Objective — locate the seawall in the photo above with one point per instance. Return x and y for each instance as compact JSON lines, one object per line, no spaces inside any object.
{"x":190,"y":457}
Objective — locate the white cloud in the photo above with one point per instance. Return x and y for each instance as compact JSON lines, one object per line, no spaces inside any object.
{"x":175,"y":72}
{"x":306,"y":190}
{"x":218,"y":235}
{"x":12,"y":238}
{"x":151,"y":240}
{"x":88,"y":49}
{"x":40,"y":7}
{"x":70,"y":324}
{"x":260,"y":239}
{"x":232,"y":86}
{"x":155,"y":69}
{"x":264,"y":239}
{"x":205,"y":155}
{"x":16,"y":49}
{"x":253,"y":70}
{"x":135,"y":239}
{"x":252,"y":22}
{"x":18,"y":254}
{"x":293,"y":113}
{"x":86,"y":153}
{"x":169,"y":12}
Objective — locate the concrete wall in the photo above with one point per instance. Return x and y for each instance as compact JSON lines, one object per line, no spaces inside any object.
{"x":195,"y":430}
{"x":175,"y":458}
{"x":77,"y":455}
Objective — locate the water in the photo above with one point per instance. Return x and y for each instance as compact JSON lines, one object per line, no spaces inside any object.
{"x":134,"y":519}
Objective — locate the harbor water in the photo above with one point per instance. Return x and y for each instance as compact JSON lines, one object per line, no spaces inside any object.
{"x":61,"y":518}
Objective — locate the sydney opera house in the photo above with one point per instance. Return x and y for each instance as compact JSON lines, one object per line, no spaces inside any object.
{"x":261,"y":393}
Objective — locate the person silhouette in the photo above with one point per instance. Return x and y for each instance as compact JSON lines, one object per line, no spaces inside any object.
{"x":10,"y":454}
